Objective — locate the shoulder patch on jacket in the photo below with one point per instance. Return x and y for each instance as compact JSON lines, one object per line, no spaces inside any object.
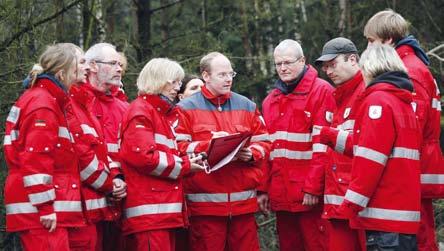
{"x":375,"y":111}
{"x":347,"y":112}
{"x":413,"y":106}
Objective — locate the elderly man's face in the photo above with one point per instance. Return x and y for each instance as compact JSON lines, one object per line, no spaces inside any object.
{"x":288,"y":65}
{"x":108,"y":69}
{"x":220,"y":78}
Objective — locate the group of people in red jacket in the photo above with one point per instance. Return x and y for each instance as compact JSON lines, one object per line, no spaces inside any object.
{"x":348,"y":168}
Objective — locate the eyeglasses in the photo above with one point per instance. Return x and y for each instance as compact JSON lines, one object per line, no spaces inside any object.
{"x":112,"y":63}
{"x":287,"y":63}
{"x":177,"y":83}
{"x":224,"y":75}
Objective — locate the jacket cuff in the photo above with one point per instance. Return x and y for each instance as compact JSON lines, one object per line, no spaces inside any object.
{"x":347,"y":210}
{"x":45,"y":209}
{"x":328,"y":136}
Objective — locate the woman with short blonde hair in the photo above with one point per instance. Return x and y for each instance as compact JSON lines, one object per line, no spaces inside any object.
{"x":157,"y":73}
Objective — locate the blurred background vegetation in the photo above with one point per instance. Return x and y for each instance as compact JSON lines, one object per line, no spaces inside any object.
{"x":185,"y":30}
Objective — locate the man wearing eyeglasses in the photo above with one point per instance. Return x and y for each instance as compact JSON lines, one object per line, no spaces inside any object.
{"x":339,"y":61}
{"x":222,"y":204}
{"x":299,"y":101}
{"x":104,"y":79}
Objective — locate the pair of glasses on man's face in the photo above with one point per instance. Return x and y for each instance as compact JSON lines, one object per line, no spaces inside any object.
{"x":287,"y":63}
{"x":113,"y":63}
{"x":224,"y":75}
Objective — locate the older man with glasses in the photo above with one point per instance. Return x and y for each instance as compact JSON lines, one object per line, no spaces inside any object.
{"x":222,"y":204}
{"x":299,"y":101}
{"x":104,"y":79}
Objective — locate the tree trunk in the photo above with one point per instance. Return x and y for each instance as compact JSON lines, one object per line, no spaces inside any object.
{"x":144,"y":29}
{"x":245,"y":37}
{"x":164,"y":27}
{"x":342,"y":17}
{"x":59,"y":29}
{"x":98,"y":12}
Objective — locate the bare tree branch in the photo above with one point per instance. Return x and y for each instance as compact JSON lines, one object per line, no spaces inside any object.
{"x":6,"y":43}
{"x":433,"y":53}
{"x":166,"y":6}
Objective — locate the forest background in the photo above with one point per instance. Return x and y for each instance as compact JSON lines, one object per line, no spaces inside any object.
{"x":185,"y":30}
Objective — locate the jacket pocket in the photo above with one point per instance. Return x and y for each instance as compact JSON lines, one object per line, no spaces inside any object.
{"x":296,"y":181}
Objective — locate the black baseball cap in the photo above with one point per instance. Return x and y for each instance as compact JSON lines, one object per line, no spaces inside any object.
{"x":334,"y":47}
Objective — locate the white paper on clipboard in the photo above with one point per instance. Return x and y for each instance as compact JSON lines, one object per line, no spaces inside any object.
{"x":227,"y":159}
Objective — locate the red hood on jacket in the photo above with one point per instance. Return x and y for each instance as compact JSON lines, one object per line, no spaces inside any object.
{"x":215,"y":100}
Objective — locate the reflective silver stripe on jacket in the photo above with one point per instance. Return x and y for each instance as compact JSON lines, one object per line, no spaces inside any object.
{"x":149,"y":209}
{"x":177,"y":168}
{"x":89,"y":130}
{"x":356,"y":198}
{"x":64,"y":133}
{"x":7,"y":140}
{"x":38,"y":198}
{"x":90,"y":169}
{"x":221,"y":197}
{"x":436,"y":104}
{"x":183,"y":137}
{"x":20,"y":208}
{"x":290,"y":136}
{"x":192,"y":146}
{"x":341,"y":140}
{"x":112,"y":147}
{"x":115,"y":164}
{"x":14,"y":114}
{"x":432,"y":179}
{"x":67,"y":206}
{"x":316,"y":131}
{"x":390,"y":214}
{"x":14,"y":134}
{"x":98,"y":183}
{"x":163,"y":140}
{"x":319,"y":148}
{"x":347,"y":125}
{"x":406,"y":153}
{"x":28,"y":208}
{"x":289,"y":154}
{"x":37,"y":179}
{"x":96,"y":203}
{"x":333,"y":199}
{"x":372,"y":155}
{"x":260,"y":137}
{"x":162,"y":165}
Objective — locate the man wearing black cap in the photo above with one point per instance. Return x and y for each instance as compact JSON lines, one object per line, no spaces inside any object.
{"x":299,"y":102}
{"x":339,"y":60}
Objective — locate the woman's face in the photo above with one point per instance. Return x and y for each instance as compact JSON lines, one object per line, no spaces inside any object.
{"x":171,"y":88}
{"x":77,"y":73}
{"x":193,"y":86}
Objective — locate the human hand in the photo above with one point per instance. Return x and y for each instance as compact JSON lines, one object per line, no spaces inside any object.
{"x":119,"y":189}
{"x":245,"y":154}
{"x":49,"y":221}
{"x":310,"y":200}
{"x":264,"y":203}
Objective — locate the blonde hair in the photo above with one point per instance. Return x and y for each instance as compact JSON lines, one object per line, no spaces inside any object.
{"x":292,"y":45}
{"x":56,"y":57}
{"x":123,"y":61}
{"x":387,"y":24}
{"x":378,"y":59}
{"x":157,"y":73}
{"x":205,"y":62}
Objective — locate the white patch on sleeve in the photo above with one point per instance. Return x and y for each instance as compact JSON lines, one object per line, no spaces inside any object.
{"x":347,"y":112}
{"x":375,"y":111}
{"x":329,"y":116}
{"x":414,"y":106}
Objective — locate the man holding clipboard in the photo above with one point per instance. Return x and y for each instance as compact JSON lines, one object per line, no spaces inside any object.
{"x":222,"y":203}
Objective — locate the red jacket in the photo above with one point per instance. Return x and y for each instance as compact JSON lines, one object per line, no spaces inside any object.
{"x":384,"y":191}
{"x":337,"y":175}
{"x":428,"y":109}
{"x":296,"y":163}
{"x":93,"y":157}
{"x":43,"y":175}
{"x":152,"y":167}
{"x":109,"y":110}
{"x":230,"y":190}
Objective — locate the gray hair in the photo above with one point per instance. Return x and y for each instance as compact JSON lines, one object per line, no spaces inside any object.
{"x":96,"y":52}
{"x":378,"y":59}
{"x":290,"y":45}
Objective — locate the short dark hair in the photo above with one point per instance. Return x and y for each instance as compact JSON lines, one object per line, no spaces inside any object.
{"x":186,"y":80}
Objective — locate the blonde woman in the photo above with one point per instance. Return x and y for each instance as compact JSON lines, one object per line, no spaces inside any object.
{"x":42,"y":196}
{"x":151,"y":163}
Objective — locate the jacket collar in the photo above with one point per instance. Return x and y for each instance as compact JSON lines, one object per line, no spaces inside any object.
{"x":97,"y":93}
{"x":215,"y":100}
{"x":160,"y":104}
{"x":81,"y":95}
{"x":409,"y":45}
{"x":305,"y":84}
{"x":348,"y":87}
{"x":54,"y":89}
{"x":287,"y":88}
{"x":396,"y":83}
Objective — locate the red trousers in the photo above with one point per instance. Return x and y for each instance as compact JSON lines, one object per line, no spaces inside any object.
{"x":155,"y":240}
{"x":220,"y":233}
{"x":301,"y":231}
{"x":426,"y":235}
{"x":42,"y":240}
{"x":342,"y":237}
{"x":84,"y":238}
